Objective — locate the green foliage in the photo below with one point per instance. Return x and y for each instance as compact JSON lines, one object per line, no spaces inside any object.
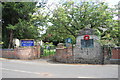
{"x":70,"y":17}
{"x":1,"y":42}
{"x":24,"y":20}
{"x":11,"y":27}
{"x":18,"y":21}
{"x":26,"y":30}
{"x":13,"y":12}
{"x":49,"y":44}
{"x":48,"y":53}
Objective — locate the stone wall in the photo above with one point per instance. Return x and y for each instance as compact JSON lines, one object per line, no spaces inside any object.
{"x":65,"y":55}
{"x":22,"y":53}
{"x":88,"y":51}
{"x":85,"y":51}
{"x":89,"y":55}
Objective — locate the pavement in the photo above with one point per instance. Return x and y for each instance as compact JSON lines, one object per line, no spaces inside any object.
{"x":44,"y":68}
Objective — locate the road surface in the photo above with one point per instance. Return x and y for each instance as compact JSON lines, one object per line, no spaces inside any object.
{"x":42,"y":69}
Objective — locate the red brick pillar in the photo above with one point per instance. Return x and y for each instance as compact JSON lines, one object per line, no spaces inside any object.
{"x":116,"y":53}
{"x":38,"y":51}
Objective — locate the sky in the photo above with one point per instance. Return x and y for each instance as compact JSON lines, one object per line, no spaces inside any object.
{"x":110,"y":2}
{"x":52,"y":3}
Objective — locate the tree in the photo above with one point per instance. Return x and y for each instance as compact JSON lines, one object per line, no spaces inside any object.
{"x":13,"y":12}
{"x":70,"y":17}
{"x":26,"y":31}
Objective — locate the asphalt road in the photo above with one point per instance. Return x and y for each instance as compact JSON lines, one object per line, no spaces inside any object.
{"x":43,"y":69}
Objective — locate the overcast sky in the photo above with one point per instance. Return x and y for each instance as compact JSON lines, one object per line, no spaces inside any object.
{"x":110,"y":2}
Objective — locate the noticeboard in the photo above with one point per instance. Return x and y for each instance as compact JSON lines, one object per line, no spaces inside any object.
{"x":87,"y":43}
{"x":68,"y":40}
{"x":27,"y":42}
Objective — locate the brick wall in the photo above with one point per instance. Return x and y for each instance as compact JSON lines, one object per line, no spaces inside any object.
{"x":9,"y":54}
{"x":64,"y":55}
{"x":22,"y":53}
{"x":116,"y":53}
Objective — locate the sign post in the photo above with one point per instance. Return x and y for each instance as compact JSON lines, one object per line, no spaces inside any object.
{"x":27,"y":42}
{"x":67,"y":41}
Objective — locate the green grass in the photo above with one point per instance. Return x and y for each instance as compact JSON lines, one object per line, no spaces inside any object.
{"x":48,"y":52}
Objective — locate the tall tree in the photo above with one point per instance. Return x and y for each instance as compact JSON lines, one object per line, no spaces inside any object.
{"x":70,"y":17}
{"x":12,"y":12}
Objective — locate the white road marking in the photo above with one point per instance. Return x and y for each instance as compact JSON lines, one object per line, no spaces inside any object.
{"x":87,"y":77}
{"x":21,"y":71}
